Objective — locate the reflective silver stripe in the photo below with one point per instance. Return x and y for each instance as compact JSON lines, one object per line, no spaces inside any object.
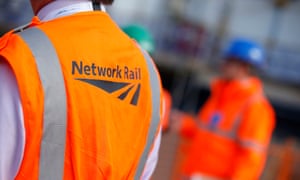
{"x":155,"y":89}
{"x":233,"y":133}
{"x":233,"y":136}
{"x":54,"y":122}
{"x":217,"y":131}
{"x":238,"y":118}
{"x":252,"y":145}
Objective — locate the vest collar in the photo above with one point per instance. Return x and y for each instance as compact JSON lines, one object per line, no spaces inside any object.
{"x":62,"y":8}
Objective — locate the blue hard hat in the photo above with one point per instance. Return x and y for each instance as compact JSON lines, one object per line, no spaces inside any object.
{"x":246,"y":51}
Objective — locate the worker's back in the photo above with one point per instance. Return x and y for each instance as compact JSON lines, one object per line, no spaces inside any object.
{"x":109,"y":92}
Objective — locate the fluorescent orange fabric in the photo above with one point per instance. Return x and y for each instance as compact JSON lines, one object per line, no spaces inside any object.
{"x":107,"y":131}
{"x":223,"y":148}
{"x":166,"y":109}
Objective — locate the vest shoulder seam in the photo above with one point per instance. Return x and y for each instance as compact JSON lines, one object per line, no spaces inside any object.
{"x":21,"y":28}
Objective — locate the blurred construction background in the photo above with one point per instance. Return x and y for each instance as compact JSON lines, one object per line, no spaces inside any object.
{"x":189,"y":36}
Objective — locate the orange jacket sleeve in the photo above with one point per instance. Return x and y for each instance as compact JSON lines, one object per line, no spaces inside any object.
{"x":166,"y":109}
{"x":254,"y":137}
{"x":188,"y":126}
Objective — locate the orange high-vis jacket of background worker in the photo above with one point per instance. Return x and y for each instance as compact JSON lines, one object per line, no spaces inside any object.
{"x":166,"y":109}
{"x":232,"y":132}
{"x":108,"y":94}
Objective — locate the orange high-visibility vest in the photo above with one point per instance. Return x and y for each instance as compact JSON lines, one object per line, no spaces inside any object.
{"x":108,"y":92}
{"x":232,"y":132}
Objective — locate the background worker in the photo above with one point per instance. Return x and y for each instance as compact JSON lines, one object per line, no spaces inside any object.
{"x":231,"y":133}
{"x":145,"y":39}
{"x":78,"y":98}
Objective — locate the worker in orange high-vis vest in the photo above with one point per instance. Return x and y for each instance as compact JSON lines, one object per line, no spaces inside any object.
{"x":231,"y":133}
{"x":78,"y":98}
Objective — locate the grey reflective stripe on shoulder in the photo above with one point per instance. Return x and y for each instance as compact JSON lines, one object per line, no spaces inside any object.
{"x":54,"y":122}
{"x":239,"y":116}
{"x":155,"y":116}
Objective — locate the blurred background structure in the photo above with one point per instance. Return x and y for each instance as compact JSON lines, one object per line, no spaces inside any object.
{"x":189,"y":36}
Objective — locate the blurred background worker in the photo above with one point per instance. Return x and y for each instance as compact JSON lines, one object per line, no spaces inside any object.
{"x":231,"y":133}
{"x":78,"y":98}
{"x":145,"y":39}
